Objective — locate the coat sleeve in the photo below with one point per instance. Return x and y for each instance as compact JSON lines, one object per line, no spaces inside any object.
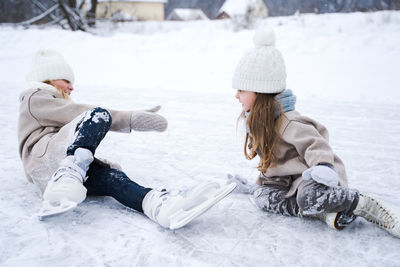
{"x":309,"y":143}
{"x":51,"y":111}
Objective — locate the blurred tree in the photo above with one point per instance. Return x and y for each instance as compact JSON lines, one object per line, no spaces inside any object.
{"x":91,"y":14}
{"x":17,"y":10}
{"x":65,"y":13}
{"x":72,"y":14}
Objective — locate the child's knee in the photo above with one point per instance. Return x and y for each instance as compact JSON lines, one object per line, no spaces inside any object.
{"x":311,"y":197}
{"x":100,"y":114}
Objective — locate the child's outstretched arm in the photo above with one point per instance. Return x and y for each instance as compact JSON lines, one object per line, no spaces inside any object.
{"x":242,"y":186}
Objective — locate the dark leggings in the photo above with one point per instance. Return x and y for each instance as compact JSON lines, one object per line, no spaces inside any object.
{"x":102,"y":179}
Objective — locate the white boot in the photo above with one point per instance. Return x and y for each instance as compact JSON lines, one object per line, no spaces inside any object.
{"x":373,"y":211}
{"x":65,"y":189}
{"x":173,"y":210}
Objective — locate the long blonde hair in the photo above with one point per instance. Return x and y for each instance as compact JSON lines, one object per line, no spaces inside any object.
{"x":264,"y":129}
{"x":65,"y":95}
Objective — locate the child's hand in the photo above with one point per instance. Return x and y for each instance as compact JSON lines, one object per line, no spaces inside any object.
{"x":148,"y":120}
{"x":322,"y":174}
{"x":242,"y":186}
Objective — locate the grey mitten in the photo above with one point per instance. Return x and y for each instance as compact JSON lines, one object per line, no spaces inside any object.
{"x":148,"y":120}
{"x":242,"y":186}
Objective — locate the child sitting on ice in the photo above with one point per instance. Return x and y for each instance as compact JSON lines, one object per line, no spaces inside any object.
{"x":300,"y":174}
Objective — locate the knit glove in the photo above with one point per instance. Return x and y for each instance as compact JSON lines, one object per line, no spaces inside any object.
{"x":323,"y":174}
{"x":287,"y":100}
{"x":242,"y":186}
{"x":148,"y":120}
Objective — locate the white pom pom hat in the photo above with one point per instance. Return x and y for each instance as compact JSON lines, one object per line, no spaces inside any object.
{"x":262,"y":69}
{"x":49,"y":65}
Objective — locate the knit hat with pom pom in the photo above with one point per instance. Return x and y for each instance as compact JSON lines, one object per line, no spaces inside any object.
{"x":49,"y":65}
{"x":262,"y":69}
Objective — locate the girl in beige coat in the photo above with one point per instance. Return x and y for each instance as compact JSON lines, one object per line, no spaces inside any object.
{"x":300,"y":174}
{"x":58,"y":140}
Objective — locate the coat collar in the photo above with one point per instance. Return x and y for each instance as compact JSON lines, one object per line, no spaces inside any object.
{"x":30,"y":86}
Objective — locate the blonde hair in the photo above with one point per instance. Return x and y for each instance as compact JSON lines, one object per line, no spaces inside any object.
{"x":264,"y":129}
{"x":65,"y":95}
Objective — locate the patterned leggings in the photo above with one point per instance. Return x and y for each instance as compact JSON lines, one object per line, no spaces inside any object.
{"x":312,"y":198}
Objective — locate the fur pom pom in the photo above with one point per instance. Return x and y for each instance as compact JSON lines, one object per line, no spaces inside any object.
{"x":264,"y":37}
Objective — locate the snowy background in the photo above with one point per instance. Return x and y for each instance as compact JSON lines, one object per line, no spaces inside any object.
{"x":344,"y":69}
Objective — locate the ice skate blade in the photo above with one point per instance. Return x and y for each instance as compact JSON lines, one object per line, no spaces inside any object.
{"x":183,"y":217}
{"x":51,"y":209}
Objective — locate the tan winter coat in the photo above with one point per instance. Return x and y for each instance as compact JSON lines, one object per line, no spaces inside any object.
{"x":46,"y":126}
{"x":304,"y":143}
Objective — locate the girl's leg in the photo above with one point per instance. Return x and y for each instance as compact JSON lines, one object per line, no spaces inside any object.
{"x":315,"y":198}
{"x":169,"y":209}
{"x":65,"y":189}
{"x":312,"y":198}
{"x":105,"y":181}
{"x":272,"y":199}
{"x":91,"y":130}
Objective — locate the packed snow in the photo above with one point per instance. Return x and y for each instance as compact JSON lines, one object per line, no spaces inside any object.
{"x":344,"y":69}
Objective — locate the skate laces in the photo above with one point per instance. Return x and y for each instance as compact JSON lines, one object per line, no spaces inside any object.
{"x":65,"y":173}
{"x":378,"y":214}
{"x":160,"y":198}
{"x":69,"y":169}
{"x":156,"y":201}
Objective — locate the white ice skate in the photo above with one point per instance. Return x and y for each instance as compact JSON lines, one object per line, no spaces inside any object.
{"x":174,"y":210}
{"x":65,"y":189}
{"x":49,"y":209}
{"x":373,"y":211}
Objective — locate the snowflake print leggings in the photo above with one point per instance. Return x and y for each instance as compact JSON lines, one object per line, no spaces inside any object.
{"x":312,"y":198}
{"x":102,"y":179}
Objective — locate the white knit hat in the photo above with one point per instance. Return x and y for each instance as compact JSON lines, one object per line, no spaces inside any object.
{"x":49,"y":65}
{"x":262,"y":69}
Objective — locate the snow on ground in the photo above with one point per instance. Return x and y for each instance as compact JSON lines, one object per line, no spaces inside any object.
{"x":344,"y":69}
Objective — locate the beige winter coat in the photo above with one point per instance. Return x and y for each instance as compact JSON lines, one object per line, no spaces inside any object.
{"x":304,"y":143}
{"x":46,"y":126}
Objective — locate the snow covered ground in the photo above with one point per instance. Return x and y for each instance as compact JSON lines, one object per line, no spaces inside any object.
{"x":344,"y":69}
